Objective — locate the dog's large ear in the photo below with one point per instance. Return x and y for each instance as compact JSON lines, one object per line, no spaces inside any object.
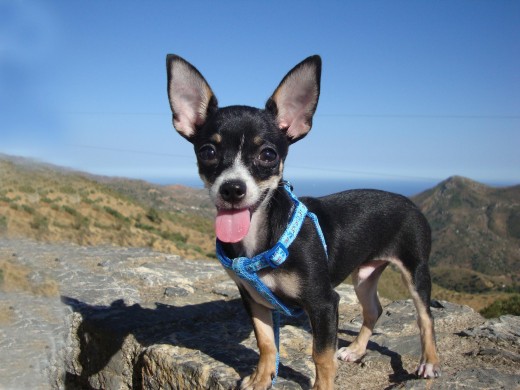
{"x":191,"y":98}
{"x":294,"y":101}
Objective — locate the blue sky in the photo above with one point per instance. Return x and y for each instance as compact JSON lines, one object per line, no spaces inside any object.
{"x":411,"y":90}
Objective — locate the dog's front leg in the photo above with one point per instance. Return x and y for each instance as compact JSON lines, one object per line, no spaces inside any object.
{"x":324,"y":321}
{"x":263,"y":376}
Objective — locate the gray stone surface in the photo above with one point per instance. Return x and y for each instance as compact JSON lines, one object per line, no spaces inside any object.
{"x":505,"y":329}
{"x":132,"y":319}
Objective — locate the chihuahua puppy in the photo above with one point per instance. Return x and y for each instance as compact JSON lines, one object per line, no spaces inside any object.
{"x":241,"y":152}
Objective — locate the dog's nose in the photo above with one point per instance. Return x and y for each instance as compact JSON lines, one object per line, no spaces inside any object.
{"x":233,"y":191}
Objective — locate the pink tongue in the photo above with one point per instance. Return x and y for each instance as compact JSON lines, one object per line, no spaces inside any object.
{"x":232,"y":225}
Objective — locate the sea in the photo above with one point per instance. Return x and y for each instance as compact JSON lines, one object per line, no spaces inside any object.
{"x":321,"y":187}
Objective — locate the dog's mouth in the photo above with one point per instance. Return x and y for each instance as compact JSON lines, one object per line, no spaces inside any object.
{"x":232,"y":225}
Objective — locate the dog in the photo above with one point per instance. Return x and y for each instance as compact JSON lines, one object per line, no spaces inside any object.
{"x":240,"y":153}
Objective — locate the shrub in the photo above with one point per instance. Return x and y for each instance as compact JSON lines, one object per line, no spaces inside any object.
{"x":27,"y":189}
{"x":80,"y":222}
{"x":87,"y":201}
{"x":67,"y":189}
{"x":174,"y":237}
{"x":116,"y":214}
{"x":501,"y":307}
{"x":513,"y":224}
{"x":28,"y":209}
{"x":39,"y":222}
{"x":70,"y":210}
{"x":153,"y":215}
{"x":3,"y":223}
{"x":146,"y":227}
{"x":102,"y":226}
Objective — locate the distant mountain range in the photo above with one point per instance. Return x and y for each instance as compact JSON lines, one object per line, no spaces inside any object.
{"x":476,"y":228}
{"x":476,"y":234}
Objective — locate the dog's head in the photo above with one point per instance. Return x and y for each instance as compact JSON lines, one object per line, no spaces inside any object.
{"x":241,"y":150}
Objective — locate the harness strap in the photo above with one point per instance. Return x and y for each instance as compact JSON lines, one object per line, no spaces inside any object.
{"x":246,"y":268}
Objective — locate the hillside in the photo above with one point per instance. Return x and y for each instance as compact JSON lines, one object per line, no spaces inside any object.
{"x":476,"y":235}
{"x":53,"y":204}
{"x":171,"y":198}
{"x":476,"y":228}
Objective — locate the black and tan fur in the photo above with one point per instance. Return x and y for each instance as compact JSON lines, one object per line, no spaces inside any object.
{"x":241,"y":152}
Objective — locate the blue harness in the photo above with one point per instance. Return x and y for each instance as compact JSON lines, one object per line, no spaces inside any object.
{"x":246,"y":268}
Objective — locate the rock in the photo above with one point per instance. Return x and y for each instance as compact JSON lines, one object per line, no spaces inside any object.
{"x":514,"y":357}
{"x":175,"y":292}
{"x":503,"y":329}
{"x":484,"y":379}
{"x":145,"y":320}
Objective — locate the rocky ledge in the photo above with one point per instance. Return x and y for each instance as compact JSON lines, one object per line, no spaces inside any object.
{"x":122,"y":318}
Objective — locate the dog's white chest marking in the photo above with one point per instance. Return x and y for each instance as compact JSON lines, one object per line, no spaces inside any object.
{"x":276,"y":282}
{"x":256,"y":234}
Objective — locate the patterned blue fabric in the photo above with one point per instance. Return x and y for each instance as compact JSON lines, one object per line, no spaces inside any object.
{"x":246,"y":268}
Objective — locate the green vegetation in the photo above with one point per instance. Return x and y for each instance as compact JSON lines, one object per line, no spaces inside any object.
{"x":146,"y":227}
{"x":391,"y":285}
{"x":174,"y":237}
{"x":3,"y":223}
{"x":513,"y":224}
{"x":167,"y":235}
{"x":461,"y":280}
{"x":80,"y":221}
{"x":39,"y":222}
{"x":153,"y":215}
{"x":502,"y":307}
{"x":27,"y":189}
{"x":67,"y":189}
{"x":28,"y":209}
{"x":70,"y":210}
{"x":116,"y":214}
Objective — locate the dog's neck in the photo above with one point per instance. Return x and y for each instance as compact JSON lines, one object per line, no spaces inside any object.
{"x":268,"y":223}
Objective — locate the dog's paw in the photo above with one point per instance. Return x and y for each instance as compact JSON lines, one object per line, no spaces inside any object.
{"x":348,"y":354}
{"x":255,"y":382}
{"x":428,"y":371}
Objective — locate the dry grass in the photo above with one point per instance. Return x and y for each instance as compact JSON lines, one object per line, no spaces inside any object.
{"x":15,"y":277}
{"x":58,"y":206}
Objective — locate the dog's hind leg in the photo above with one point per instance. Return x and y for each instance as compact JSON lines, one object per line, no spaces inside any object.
{"x":365,"y":280}
{"x":418,"y":282}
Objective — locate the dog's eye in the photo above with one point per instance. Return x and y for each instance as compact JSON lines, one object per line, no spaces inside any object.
{"x":207,"y":153}
{"x":268,"y":157}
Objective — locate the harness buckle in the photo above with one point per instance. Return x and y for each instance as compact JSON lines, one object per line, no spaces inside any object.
{"x":277,"y":255}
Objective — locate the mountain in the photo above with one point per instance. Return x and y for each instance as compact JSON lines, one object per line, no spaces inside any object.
{"x":171,"y":198}
{"x":475,"y":228}
{"x":476,"y":234}
{"x":50,"y":203}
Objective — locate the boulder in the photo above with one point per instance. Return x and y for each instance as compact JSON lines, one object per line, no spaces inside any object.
{"x":128,"y":318}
